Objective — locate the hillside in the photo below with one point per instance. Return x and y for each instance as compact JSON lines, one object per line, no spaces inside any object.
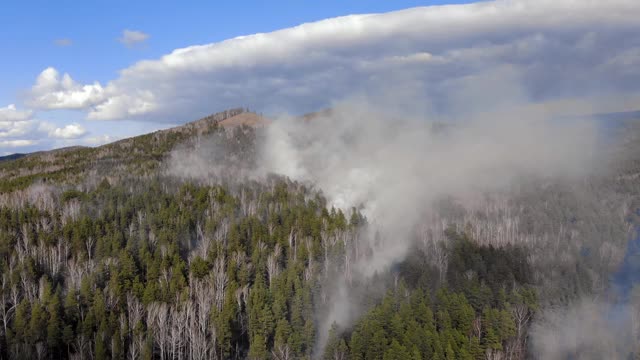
{"x":133,"y":155}
{"x":161,"y":246}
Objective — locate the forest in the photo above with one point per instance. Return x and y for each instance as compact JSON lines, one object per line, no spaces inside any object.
{"x":107,"y":253}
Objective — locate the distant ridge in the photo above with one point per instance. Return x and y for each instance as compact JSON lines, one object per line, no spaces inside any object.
{"x":17,"y":156}
{"x":12,"y":157}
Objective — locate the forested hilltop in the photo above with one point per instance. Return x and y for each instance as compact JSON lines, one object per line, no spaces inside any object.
{"x":118,"y":252}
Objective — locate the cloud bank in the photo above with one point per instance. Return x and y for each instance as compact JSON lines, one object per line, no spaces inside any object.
{"x":20,"y":130}
{"x":566,"y":51}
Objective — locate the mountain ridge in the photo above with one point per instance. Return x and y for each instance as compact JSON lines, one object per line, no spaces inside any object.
{"x":135,"y":154}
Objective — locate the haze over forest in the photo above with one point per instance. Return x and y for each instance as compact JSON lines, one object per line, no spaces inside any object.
{"x":452,"y":181}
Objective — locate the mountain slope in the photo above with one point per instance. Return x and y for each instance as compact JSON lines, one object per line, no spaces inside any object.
{"x":133,"y":155}
{"x":104,"y":254}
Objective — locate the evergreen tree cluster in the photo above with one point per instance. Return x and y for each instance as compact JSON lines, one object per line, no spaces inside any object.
{"x":479,"y":317}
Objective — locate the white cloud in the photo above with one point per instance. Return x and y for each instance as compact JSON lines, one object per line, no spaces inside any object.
{"x":10,"y":113}
{"x":15,"y":128}
{"x":558,"y":49}
{"x":14,"y":122}
{"x":124,"y":105}
{"x":99,"y":140}
{"x":16,"y":143}
{"x":63,"y":42}
{"x":71,"y":131}
{"x":53,"y":92}
{"x":19,"y":129}
{"x":133,"y":37}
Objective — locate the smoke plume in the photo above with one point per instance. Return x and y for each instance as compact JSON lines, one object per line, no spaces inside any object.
{"x":396,"y":164}
{"x":395,"y":157}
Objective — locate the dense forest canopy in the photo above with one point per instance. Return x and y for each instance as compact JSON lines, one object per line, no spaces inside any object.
{"x":170,"y":245}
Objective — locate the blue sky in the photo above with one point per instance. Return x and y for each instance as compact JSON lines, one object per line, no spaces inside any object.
{"x":69,"y":78}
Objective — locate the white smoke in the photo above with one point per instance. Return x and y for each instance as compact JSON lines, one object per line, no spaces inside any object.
{"x":389,"y":154}
{"x":359,"y":155}
{"x":589,"y":329}
{"x":395,"y":167}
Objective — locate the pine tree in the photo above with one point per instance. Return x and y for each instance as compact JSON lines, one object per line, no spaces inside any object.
{"x":396,"y":352}
{"x":357,"y":344}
